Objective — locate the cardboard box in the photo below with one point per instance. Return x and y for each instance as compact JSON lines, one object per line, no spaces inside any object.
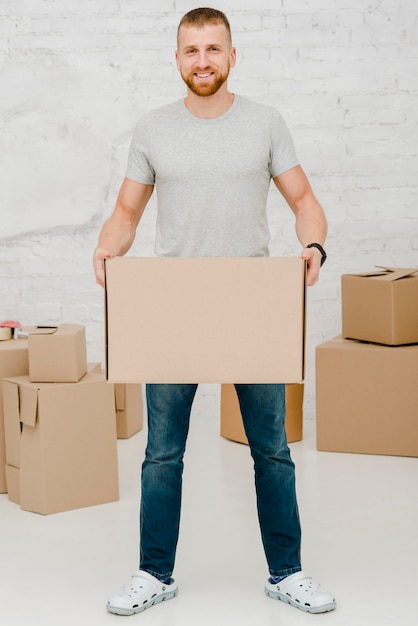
{"x":13,"y":362}
{"x":13,"y":483}
{"x":367,"y":398}
{"x":57,"y":354}
{"x":381,"y":307}
{"x":209,"y":320}
{"x":231,"y":420}
{"x":62,"y":438}
{"x":129,"y":413}
{"x":128,"y":405}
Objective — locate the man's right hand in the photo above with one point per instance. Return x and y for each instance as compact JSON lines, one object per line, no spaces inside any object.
{"x":118,"y":232}
{"x":98,"y":263}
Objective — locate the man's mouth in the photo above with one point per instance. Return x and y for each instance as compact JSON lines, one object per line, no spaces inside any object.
{"x":203,"y":75}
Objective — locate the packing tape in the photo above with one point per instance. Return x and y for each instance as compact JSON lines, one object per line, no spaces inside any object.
{"x":5,"y":333}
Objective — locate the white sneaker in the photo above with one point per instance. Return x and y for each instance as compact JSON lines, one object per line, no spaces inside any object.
{"x":142,"y":592}
{"x":301,"y":591}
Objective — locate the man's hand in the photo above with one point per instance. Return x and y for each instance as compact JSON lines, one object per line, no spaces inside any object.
{"x":313,"y":258}
{"x":98,"y":263}
{"x":118,"y":232}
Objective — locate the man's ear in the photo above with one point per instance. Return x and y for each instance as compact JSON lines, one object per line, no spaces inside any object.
{"x":233,"y":57}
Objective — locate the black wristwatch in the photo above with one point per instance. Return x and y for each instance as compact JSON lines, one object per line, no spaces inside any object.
{"x":321,"y":250}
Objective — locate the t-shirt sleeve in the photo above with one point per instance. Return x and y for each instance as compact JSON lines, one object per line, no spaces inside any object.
{"x":139,"y":167}
{"x":283,"y":153}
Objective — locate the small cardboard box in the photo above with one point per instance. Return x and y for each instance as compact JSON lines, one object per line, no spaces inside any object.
{"x":231,"y":420}
{"x":367,"y":398}
{"x":381,"y":307}
{"x":13,"y":362}
{"x":129,"y":413}
{"x":57,"y":354}
{"x":205,"y":320}
{"x":62,"y":439}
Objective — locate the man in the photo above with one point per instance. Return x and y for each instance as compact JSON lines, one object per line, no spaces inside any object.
{"x":212,"y":157}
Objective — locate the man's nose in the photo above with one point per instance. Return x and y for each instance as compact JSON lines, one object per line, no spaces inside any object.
{"x":202,"y":59}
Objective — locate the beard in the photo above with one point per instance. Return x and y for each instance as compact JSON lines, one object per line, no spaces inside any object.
{"x":207,"y":88}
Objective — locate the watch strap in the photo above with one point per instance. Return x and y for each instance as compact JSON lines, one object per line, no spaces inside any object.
{"x":321,"y":250}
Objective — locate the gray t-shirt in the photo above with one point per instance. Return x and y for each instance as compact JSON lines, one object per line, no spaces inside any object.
{"x":212,"y":176}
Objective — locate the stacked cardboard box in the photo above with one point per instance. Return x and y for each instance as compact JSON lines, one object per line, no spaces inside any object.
{"x":13,"y":362}
{"x":129,"y":410}
{"x":57,"y":353}
{"x":366,"y":379}
{"x":231,"y":420}
{"x":59,"y":419}
{"x":60,"y":443}
{"x":59,"y":425}
{"x":128,"y":407}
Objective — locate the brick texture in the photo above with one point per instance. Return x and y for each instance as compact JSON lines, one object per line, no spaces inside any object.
{"x":75,"y":76}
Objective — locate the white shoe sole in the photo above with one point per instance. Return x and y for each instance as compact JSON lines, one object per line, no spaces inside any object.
{"x":138,"y":609}
{"x":308,"y":609}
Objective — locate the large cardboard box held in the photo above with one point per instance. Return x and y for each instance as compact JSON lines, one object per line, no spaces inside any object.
{"x":231,"y":419}
{"x":61,"y":437}
{"x":208,"y":320}
{"x":381,"y":307}
{"x":367,"y":398}
{"x":13,"y":362}
{"x":57,"y":354}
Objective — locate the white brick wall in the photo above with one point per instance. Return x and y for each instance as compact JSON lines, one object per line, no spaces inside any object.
{"x":75,"y":76}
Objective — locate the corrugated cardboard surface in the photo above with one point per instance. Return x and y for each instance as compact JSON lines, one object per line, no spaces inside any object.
{"x":381,"y":307}
{"x":231,"y":420}
{"x":367,"y":398}
{"x":67,"y":446}
{"x":58,"y":354}
{"x":13,"y":362}
{"x":183,"y":320}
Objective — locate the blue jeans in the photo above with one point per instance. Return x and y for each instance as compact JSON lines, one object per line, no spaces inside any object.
{"x":263,"y":412}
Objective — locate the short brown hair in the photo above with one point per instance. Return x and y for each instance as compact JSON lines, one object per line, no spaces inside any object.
{"x":200,"y":17}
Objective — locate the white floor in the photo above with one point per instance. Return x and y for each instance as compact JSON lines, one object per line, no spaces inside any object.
{"x":359,"y":518}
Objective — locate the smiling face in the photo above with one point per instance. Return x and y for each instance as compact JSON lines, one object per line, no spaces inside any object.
{"x":204,"y":58}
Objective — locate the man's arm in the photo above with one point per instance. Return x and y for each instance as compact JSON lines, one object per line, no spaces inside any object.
{"x":311,"y":223}
{"x":118,"y":232}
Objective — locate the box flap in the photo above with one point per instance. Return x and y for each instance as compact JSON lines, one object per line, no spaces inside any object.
{"x":43,"y":330}
{"x":28,"y":404}
{"x":395,"y":273}
{"x":389,"y":274}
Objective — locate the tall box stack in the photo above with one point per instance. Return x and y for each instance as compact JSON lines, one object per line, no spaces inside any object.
{"x":366,"y":379}
{"x":60,"y":443}
{"x":60,"y":426}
